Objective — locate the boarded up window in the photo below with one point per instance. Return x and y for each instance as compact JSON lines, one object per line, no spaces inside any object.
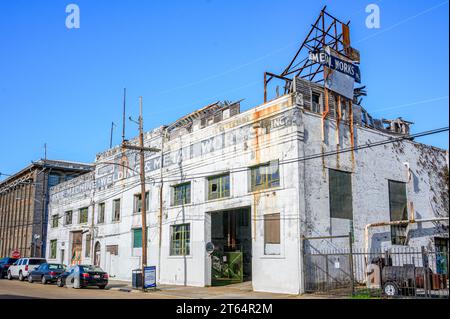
{"x":398,"y":211}
{"x":272,"y":238}
{"x":112,"y":249}
{"x":340,"y":194}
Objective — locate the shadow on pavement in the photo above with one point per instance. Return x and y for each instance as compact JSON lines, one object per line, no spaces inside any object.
{"x":17,"y":297}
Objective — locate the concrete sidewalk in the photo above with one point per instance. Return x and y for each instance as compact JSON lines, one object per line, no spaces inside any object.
{"x":236,"y":291}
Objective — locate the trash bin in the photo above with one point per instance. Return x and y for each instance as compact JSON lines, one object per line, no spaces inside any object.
{"x":136,"y":278}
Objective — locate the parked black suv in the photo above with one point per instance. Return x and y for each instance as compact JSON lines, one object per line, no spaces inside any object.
{"x":4,"y":265}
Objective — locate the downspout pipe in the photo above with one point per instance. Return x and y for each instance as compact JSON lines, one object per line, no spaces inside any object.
{"x":399,"y":222}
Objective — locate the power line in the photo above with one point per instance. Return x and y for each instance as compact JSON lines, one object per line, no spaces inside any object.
{"x":297,"y":159}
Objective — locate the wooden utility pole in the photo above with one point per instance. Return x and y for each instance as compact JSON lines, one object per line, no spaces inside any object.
{"x":143,"y":197}
{"x":142,"y":150}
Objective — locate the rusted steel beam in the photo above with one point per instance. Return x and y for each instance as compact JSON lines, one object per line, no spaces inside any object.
{"x":302,"y":45}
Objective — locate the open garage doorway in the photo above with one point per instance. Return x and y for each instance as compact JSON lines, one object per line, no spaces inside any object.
{"x":231,"y":261}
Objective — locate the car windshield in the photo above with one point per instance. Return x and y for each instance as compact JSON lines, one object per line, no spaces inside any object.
{"x":36,"y":261}
{"x":91,"y":268}
{"x":55,"y":267}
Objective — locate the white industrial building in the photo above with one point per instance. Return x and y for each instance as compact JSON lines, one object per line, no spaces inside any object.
{"x":253,"y":182}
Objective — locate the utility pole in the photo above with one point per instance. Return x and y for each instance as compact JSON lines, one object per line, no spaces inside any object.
{"x":143,"y":199}
{"x":142,"y":150}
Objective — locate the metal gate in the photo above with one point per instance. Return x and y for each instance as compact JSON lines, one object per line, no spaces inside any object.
{"x":328,"y":270}
{"x":227,"y":268}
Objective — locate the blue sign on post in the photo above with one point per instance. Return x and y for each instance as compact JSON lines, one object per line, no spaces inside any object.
{"x":149,"y":277}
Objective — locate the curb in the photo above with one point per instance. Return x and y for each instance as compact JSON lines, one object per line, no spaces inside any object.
{"x":124,"y":290}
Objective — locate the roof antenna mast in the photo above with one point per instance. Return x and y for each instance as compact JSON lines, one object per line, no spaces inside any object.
{"x":123,"y":116}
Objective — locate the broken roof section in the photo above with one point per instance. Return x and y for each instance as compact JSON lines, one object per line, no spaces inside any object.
{"x":208,"y":115}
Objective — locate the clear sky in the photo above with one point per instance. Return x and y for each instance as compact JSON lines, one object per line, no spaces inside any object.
{"x":64,"y":87}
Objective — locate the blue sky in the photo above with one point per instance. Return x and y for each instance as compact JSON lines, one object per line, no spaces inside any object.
{"x":64,"y":87}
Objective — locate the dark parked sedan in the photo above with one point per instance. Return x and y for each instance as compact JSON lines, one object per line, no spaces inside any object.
{"x":80,"y":276}
{"x":46,"y":273}
{"x":4,"y":265}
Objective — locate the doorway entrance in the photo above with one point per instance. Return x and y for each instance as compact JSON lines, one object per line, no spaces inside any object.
{"x":231,"y":261}
{"x":77,"y":237}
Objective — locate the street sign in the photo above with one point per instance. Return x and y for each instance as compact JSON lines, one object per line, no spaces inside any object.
{"x":15,"y":254}
{"x":149,"y":277}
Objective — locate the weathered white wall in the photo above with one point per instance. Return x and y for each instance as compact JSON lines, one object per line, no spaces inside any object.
{"x":279,"y":130}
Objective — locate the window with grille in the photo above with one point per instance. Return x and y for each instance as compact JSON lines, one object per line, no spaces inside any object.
{"x":101,"y":213}
{"x":181,"y":194}
{"x":116,"y":210}
{"x":83,"y":217}
{"x":264,"y":176}
{"x":68,"y":218}
{"x":53,"y":246}
{"x":138,"y":202}
{"x":219,"y":186}
{"x":398,"y":211}
{"x":340,"y":188}
{"x":55,"y":219}
{"x":272,"y":235}
{"x":180,"y":240}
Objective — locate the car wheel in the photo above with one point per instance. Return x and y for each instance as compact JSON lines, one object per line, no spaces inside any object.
{"x":30,"y":279}
{"x":59,"y":282}
{"x":21,"y":277}
{"x":390,"y":289}
{"x":43,"y":280}
{"x":76,"y":283}
{"x":102,"y":286}
{"x":9,"y":275}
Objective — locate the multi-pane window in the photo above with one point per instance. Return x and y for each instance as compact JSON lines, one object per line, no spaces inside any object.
{"x":88,"y":246}
{"x":340,"y":188}
{"x":55,"y":219}
{"x":101,"y":213}
{"x":181,"y":194}
{"x":398,"y":211}
{"x":138,"y":202}
{"x":315,"y":102}
{"x":219,"y":186}
{"x":116,"y":210}
{"x":53,"y":246}
{"x":83,"y":216}
{"x":180,"y":240}
{"x":272,"y":237}
{"x":264,"y":176}
{"x":68,"y":218}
